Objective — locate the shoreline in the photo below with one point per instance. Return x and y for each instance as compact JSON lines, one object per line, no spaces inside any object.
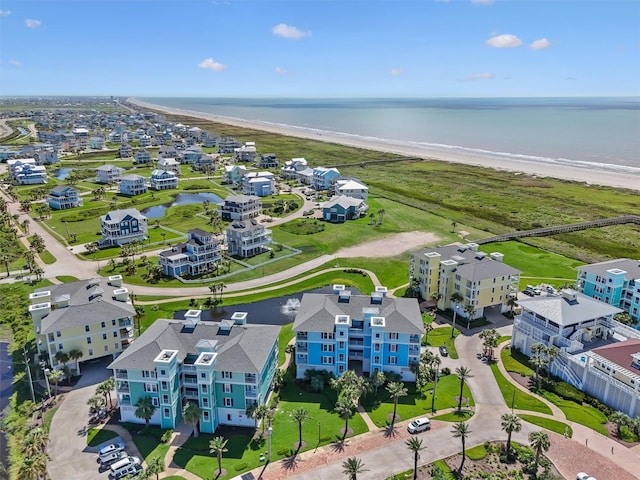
{"x":595,"y":176}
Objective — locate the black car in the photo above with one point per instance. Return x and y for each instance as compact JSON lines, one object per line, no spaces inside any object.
{"x":529,"y":292}
{"x":443,"y":351}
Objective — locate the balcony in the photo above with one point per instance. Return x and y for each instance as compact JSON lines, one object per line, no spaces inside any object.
{"x":251,"y":393}
{"x":122,"y":374}
{"x":122,"y":387}
{"x":302,"y":335}
{"x":190,"y":381}
{"x":356,"y":356}
{"x":126,"y":333}
{"x":191,"y":394}
{"x":248,"y":378}
{"x":356,"y":332}
{"x":302,"y":348}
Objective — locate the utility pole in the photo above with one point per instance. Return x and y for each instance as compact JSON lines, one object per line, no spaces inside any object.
{"x":26,"y":361}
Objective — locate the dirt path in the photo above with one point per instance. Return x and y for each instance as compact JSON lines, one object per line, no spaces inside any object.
{"x":390,"y":246}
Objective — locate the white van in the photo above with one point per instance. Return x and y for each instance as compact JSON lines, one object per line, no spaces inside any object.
{"x":419,"y":425}
{"x":122,"y":467}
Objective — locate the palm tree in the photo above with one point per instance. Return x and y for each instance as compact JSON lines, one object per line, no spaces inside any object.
{"x":489,"y":338}
{"x":511,"y":303}
{"x":619,"y":419}
{"x":108,"y":386}
{"x":415,"y":445}
{"x":4,"y":259}
{"x":378,"y":380}
{"x":155,"y":466}
{"x":470,"y":310}
{"x":510,"y":423}
{"x":36,"y":441}
{"x":75,"y":355}
{"x":217,"y":446}
{"x":427,"y":328}
{"x":344,"y":408}
{"x":381,"y":213}
{"x":55,"y":376}
{"x":461,"y":431}
{"x":300,"y":415}
{"x":538,"y":361}
{"x":463,"y":374}
{"x":396,"y":390}
{"x":191,"y":414}
{"x":145,"y":409}
{"x":96,"y":403}
{"x":352,"y":467}
{"x":539,"y":441}
{"x":552,"y":353}
{"x":30,"y":257}
{"x":260,"y":413}
{"x":372,"y":216}
{"x":62,"y":357}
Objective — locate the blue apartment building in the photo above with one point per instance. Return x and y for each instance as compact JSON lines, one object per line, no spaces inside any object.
{"x":616,"y":282}
{"x":366,"y":333}
{"x":226,"y":367}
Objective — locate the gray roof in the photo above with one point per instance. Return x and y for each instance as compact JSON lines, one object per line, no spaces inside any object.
{"x":244,"y":226}
{"x":632,"y":267}
{"x":565,"y":311}
{"x":344,"y":201}
{"x":83,"y":309}
{"x":116,"y":216}
{"x":245,"y":348}
{"x":241,"y":198}
{"x":317,"y":312}
{"x":133,"y":176}
{"x":472,"y":265}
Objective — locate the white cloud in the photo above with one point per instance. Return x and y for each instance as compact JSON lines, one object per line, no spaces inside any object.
{"x":5,"y":13}
{"x":281,"y":71}
{"x":396,"y":71}
{"x":31,"y":23}
{"x":485,"y":2}
{"x":287,"y":31}
{"x":479,"y":76}
{"x":16,"y":63}
{"x":211,"y":64}
{"x":540,"y":44}
{"x":504,"y":41}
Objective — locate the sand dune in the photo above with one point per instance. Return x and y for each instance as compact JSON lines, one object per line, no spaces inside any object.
{"x":590,"y":176}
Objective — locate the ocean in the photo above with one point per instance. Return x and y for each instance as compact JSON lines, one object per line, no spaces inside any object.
{"x":595,"y":133}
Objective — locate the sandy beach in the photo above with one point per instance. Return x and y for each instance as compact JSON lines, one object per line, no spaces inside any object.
{"x":591,"y":176}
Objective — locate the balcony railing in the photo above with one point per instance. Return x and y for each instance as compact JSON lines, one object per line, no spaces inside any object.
{"x":122,"y":374}
{"x":249,"y":378}
{"x":251,"y":393}
{"x":122,"y":388}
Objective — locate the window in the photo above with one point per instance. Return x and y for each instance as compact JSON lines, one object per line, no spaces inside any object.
{"x":86,"y":328}
{"x":228,"y":402}
{"x":393,"y":348}
{"x":165,"y":398}
{"x":378,"y":335}
{"x":163,"y":372}
{"x":393,"y":335}
{"x":166,"y":413}
{"x":91,"y":352}
{"x":228,"y":417}
{"x":376,"y":359}
{"x":60,"y":346}
{"x":106,"y":348}
{"x":327,"y":347}
{"x":227,"y":388}
{"x":205,"y":402}
{"x":226,"y":374}
{"x":113,"y":322}
{"x":155,"y":402}
{"x":327,"y":360}
{"x":203,"y":375}
{"x":376,"y":347}
{"x":58,"y":334}
{"x":393,"y":361}
{"x":89,"y":340}
{"x":104,"y":336}
{"x":341,"y":357}
{"x":342,"y":333}
{"x":204,"y":388}
{"x":327,"y":336}
{"x":103,"y":324}
{"x":205,"y":416}
{"x":116,"y":345}
{"x":148,"y":374}
{"x":341,"y":369}
{"x":115,"y":334}
{"x":341,"y":345}
{"x":164,"y":385}
{"x":150,"y":387}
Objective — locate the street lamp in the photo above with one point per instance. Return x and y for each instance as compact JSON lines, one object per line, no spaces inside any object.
{"x":46,"y":371}
{"x":26,"y":361}
{"x":269,"y":433}
{"x":455,"y":312}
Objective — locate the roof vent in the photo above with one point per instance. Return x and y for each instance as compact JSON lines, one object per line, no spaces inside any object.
{"x":115,"y":280}
{"x":376,"y":298}
{"x":193,"y":315}
{"x":480,"y":255}
{"x":344,"y":296}
{"x":239,"y":318}
{"x":497,"y":256}
{"x":343,"y":320}
{"x":472,"y":246}
{"x":337,"y":288}
{"x":378,"y":322}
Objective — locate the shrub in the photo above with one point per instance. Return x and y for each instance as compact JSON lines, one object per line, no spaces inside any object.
{"x":166,"y":436}
{"x":445,"y":371}
{"x":283,"y":451}
{"x":241,"y":466}
{"x":568,"y":392}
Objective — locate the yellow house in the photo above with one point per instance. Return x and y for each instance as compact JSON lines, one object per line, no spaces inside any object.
{"x":93,"y":317}
{"x":480,"y":280}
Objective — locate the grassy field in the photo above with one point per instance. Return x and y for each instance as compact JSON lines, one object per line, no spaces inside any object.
{"x":286,"y":335}
{"x":549,"y":424}
{"x":516,"y":397}
{"x":455,"y":416}
{"x":97,"y":436}
{"x":442,"y":336}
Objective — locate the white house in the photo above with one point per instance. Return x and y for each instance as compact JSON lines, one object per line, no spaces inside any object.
{"x":351,"y":188}
{"x":108,"y":174}
{"x":163,"y":180}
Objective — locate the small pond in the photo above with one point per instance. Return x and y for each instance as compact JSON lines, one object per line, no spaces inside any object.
{"x":274,"y":311}
{"x":158,"y":211}
{"x":61,"y":173}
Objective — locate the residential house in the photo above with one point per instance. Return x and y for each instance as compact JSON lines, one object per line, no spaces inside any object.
{"x":144,"y":141}
{"x":616,"y":282}
{"x":210,"y":141}
{"x":597,"y":354}
{"x":246,"y":238}
{"x":342,"y":208}
{"x":163,"y":180}
{"x":133,"y":185}
{"x":225,"y":367}
{"x":323,"y":178}
{"x":291,"y":167}
{"x":241,"y":207}
{"x":169,"y":164}
{"x":62,"y":197}
{"x":268,"y":160}
{"x":142,"y":157}
{"x":109,"y":174}
{"x":122,"y":226}
{"x":168,"y":151}
{"x":115,"y":136}
{"x":351,"y":188}
{"x":199,"y":254}
{"x":97,"y":142}
{"x":125,"y":151}
{"x":45,"y":157}
{"x":304,"y":176}
{"x":92,"y":316}
{"x":482,"y":280}
{"x":192,"y":155}
{"x":228,"y":145}
{"x":373,"y":333}
{"x":260,"y":184}
{"x":246,"y":153}
{"x":24,"y":171}
{"x":233,"y":174}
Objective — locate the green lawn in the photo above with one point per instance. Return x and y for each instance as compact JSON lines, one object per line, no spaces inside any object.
{"x":549,"y":424}
{"x":147,"y":440}
{"x":66,"y":278}
{"x":47,"y":257}
{"x":442,"y":336}
{"x":583,"y":414}
{"x":97,"y":436}
{"x":380,"y":406}
{"x":516,"y":362}
{"x":520,"y":399}
{"x":476,"y":453}
{"x":285,"y":335}
{"x":244,"y":451}
{"x":455,"y":416}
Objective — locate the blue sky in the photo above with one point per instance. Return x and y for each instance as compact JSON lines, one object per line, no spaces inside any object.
{"x":330,"y":48}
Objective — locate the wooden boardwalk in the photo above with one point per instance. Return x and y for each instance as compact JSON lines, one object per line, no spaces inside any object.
{"x":571,"y":227}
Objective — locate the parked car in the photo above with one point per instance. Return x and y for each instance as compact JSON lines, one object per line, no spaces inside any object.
{"x":124,"y":467}
{"x":111,"y":448}
{"x":110,"y":458}
{"x":443,"y":351}
{"x":584,"y":476}
{"x":529,"y":291}
{"x":419,"y":425}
